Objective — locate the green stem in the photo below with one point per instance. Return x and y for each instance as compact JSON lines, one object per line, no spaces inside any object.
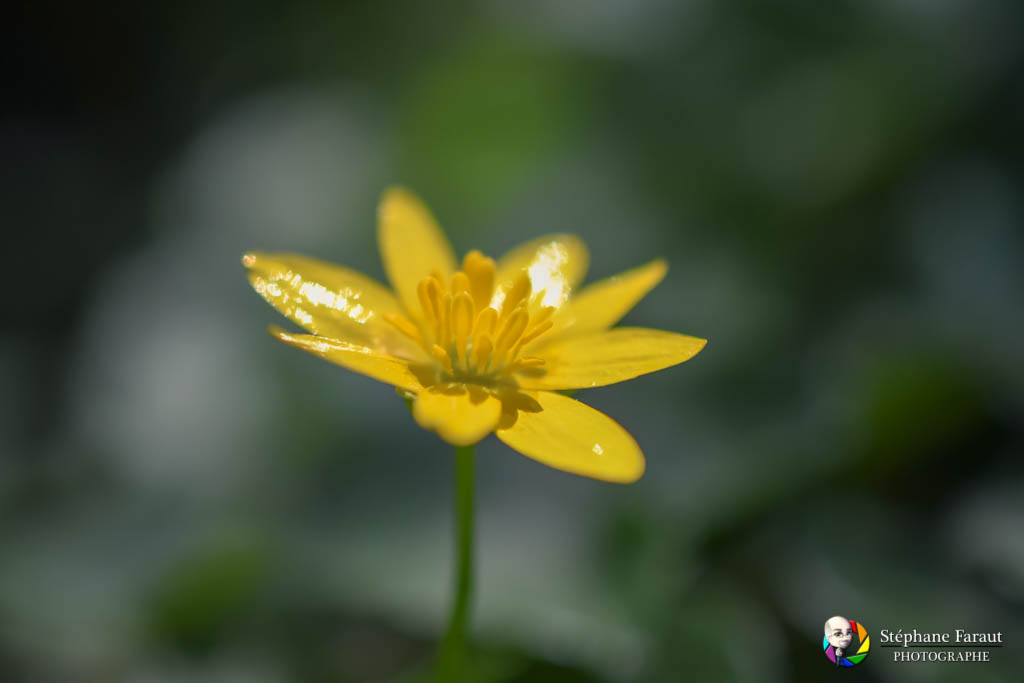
{"x":452,"y":655}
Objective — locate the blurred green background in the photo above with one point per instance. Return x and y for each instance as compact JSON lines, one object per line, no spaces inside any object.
{"x":836,"y":186}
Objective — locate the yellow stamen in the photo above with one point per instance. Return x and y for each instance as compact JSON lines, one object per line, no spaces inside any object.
{"x":428,"y":300}
{"x":462,"y":322}
{"x":485,"y":322}
{"x":510,"y":331}
{"x":527,"y":362}
{"x":481,"y":353}
{"x":460,"y":283}
{"x":535,"y":332}
{"x":543,"y":315}
{"x":431,"y":288}
{"x":480,"y":271}
{"x":442,"y":357}
{"x":515,"y":293}
{"x":405,"y":326}
{"x":445,"y":338}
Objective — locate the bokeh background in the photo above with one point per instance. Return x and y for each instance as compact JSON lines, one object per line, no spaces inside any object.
{"x":837,"y":189}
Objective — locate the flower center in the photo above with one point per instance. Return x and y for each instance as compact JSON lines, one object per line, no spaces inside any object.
{"x":474,"y":332}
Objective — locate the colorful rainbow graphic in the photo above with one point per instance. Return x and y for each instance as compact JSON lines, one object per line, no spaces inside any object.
{"x":862,"y":651}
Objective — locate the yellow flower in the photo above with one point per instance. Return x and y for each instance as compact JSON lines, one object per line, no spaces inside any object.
{"x":486,"y":347}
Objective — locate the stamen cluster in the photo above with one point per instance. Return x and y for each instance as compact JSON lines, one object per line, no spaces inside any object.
{"x":474,"y":332}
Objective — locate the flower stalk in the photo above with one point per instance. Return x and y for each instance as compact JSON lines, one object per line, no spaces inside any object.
{"x":451,"y":658}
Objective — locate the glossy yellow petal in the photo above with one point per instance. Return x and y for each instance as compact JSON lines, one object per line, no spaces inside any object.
{"x":571,"y":436}
{"x":329,"y":300}
{"x":412,"y":245}
{"x":608,"y":357}
{"x":601,"y":304}
{"x":460,"y":415}
{"x":555,"y":265}
{"x":356,"y":358}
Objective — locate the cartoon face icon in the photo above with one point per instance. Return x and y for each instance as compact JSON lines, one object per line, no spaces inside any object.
{"x":839,"y":632}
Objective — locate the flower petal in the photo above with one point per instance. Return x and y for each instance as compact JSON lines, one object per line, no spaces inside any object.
{"x":608,"y":357}
{"x":601,"y":304}
{"x":412,"y":245}
{"x":329,"y":300}
{"x":460,"y":415}
{"x":353,"y":357}
{"x":555,"y":263}
{"x":571,"y":436}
